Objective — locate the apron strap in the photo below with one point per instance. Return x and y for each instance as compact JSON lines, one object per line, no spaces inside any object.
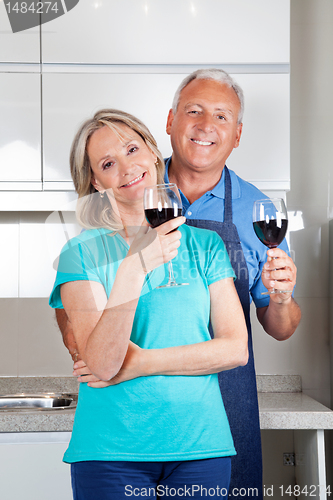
{"x":227,"y":196}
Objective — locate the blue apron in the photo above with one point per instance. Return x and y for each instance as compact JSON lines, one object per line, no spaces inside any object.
{"x":238,"y":386}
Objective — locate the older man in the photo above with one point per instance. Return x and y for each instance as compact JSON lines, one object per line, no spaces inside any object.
{"x":205,"y":125}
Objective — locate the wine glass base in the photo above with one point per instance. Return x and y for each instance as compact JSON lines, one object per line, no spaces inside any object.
{"x":171,"y":285}
{"x":276,"y":291}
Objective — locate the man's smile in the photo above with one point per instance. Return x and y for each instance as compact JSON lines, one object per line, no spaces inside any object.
{"x":202,"y":143}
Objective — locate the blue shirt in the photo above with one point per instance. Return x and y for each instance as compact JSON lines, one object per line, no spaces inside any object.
{"x":156,"y":418}
{"x":211,"y":207}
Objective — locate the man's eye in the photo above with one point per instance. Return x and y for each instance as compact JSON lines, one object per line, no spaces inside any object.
{"x":193,"y":112}
{"x":221,"y":117}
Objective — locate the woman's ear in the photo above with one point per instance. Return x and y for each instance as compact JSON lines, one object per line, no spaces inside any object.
{"x":154,"y":157}
{"x":95,"y":184}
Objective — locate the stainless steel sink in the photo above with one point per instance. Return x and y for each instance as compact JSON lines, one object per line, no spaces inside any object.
{"x":45,"y":401}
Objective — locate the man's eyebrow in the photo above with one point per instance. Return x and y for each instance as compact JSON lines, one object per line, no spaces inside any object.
{"x":219,"y":110}
{"x":225,"y":110}
{"x":190,"y":104}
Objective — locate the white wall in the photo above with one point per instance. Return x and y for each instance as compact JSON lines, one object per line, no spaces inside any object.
{"x":307,"y":352}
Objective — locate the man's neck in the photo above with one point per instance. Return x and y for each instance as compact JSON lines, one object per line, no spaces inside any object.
{"x":193,"y":184}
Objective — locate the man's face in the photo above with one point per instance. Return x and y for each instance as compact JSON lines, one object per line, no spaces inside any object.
{"x":204,"y":129}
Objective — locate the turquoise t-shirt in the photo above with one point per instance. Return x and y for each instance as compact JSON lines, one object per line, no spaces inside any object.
{"x":154,"y":418}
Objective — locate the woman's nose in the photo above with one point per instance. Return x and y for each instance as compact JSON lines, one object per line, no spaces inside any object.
{"x":126,"y":167}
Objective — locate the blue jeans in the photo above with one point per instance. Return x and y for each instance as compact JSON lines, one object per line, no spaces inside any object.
{"x":101,"y":480}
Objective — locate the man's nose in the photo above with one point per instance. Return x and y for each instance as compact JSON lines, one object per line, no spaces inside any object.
{"x":206,"y":123}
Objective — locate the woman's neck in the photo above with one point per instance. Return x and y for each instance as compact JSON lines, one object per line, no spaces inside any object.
{"x":131,"y":220}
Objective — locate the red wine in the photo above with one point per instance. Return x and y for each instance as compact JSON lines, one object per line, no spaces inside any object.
{"x":156,"y":217}
{"x":269,"y":233}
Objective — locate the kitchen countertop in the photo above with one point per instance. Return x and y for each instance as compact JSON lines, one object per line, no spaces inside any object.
{"x":282,"y":405}
{"x":37,"y":421}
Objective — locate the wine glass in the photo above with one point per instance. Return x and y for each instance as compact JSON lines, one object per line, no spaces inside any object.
{"x":270,"y":222}
{"x":162,"y":202}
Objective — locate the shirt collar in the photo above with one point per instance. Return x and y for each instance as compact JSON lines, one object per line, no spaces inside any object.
{"x":218,"y":190}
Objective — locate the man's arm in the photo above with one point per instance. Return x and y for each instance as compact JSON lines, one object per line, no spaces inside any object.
{"x":282,"y":316}
{"x":66,"y":329}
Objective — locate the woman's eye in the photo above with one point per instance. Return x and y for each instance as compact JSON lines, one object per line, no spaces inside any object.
{"x":132,"y":149}
{"x":107,"y":165}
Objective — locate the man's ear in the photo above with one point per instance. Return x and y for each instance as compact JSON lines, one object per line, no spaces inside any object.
{"x":169,"y":122}
{"x":238,"y":135}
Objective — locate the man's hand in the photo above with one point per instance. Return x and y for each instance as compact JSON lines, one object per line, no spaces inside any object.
{"x":83,"y":374}
{"x":279,"y":272}
{"x":282,"y":316}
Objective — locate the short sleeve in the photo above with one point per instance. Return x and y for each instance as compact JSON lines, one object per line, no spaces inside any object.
{"x":76,"y":263}
{"x":219,"y":266}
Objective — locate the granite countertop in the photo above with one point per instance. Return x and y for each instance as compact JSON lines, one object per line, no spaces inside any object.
{"x":282,"y":405}
{"x":37,"y":421}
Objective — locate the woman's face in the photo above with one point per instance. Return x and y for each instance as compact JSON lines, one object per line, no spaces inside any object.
{"x":123,"y":163}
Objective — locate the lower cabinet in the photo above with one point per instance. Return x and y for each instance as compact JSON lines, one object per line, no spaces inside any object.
{"x":31,"y":466}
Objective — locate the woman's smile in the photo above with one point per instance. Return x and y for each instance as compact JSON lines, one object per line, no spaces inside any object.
{"x":134,"y":181}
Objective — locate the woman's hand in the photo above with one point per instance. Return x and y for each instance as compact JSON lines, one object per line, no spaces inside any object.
{"x":156,"y":246}
{"x":133,"y":367}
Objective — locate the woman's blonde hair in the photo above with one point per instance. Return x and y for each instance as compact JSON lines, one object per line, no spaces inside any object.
{"x":93,"y":211}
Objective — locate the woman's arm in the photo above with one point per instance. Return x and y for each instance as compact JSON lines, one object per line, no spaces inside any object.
{"x":227,"y":350}
{"x":101,"y":326}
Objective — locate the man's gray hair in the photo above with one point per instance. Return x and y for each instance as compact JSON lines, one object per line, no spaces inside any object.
{"x":211,"y":74}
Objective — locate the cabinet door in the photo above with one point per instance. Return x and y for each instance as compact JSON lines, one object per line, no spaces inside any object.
{"x":42,"y":236}
{"x":69,"y":99}
{"x":263,"y":156}
{"x":9,"y":253}
{"x":21,"y":47}
{"x":170,"y":32}
{"x":34,"y":472}
{"x":20,"y":130}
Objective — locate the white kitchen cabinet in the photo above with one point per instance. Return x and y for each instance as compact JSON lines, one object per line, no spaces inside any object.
{"x":9,"y":252}
{"x":170,"y":32}
{"x":20,"y":131}
{"x":70,"y":98}
{"x":42,"y":236}
{"x":21,"y":47}
{"x":31,"y":466}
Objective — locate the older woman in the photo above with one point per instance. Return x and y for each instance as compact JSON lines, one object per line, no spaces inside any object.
{"x":160,"y":425}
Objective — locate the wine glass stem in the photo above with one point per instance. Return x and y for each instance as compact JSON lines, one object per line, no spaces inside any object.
{"x":172,"y":280}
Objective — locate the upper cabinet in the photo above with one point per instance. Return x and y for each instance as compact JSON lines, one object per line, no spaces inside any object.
{"x":170,"y":32}
{"x":21,"y":47}
{"x":131,"y":55}
{"x":69,"y":99}
{"x":20,"y":131}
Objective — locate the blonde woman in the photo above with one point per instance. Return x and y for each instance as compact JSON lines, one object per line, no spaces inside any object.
{"x":158,"y":425}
